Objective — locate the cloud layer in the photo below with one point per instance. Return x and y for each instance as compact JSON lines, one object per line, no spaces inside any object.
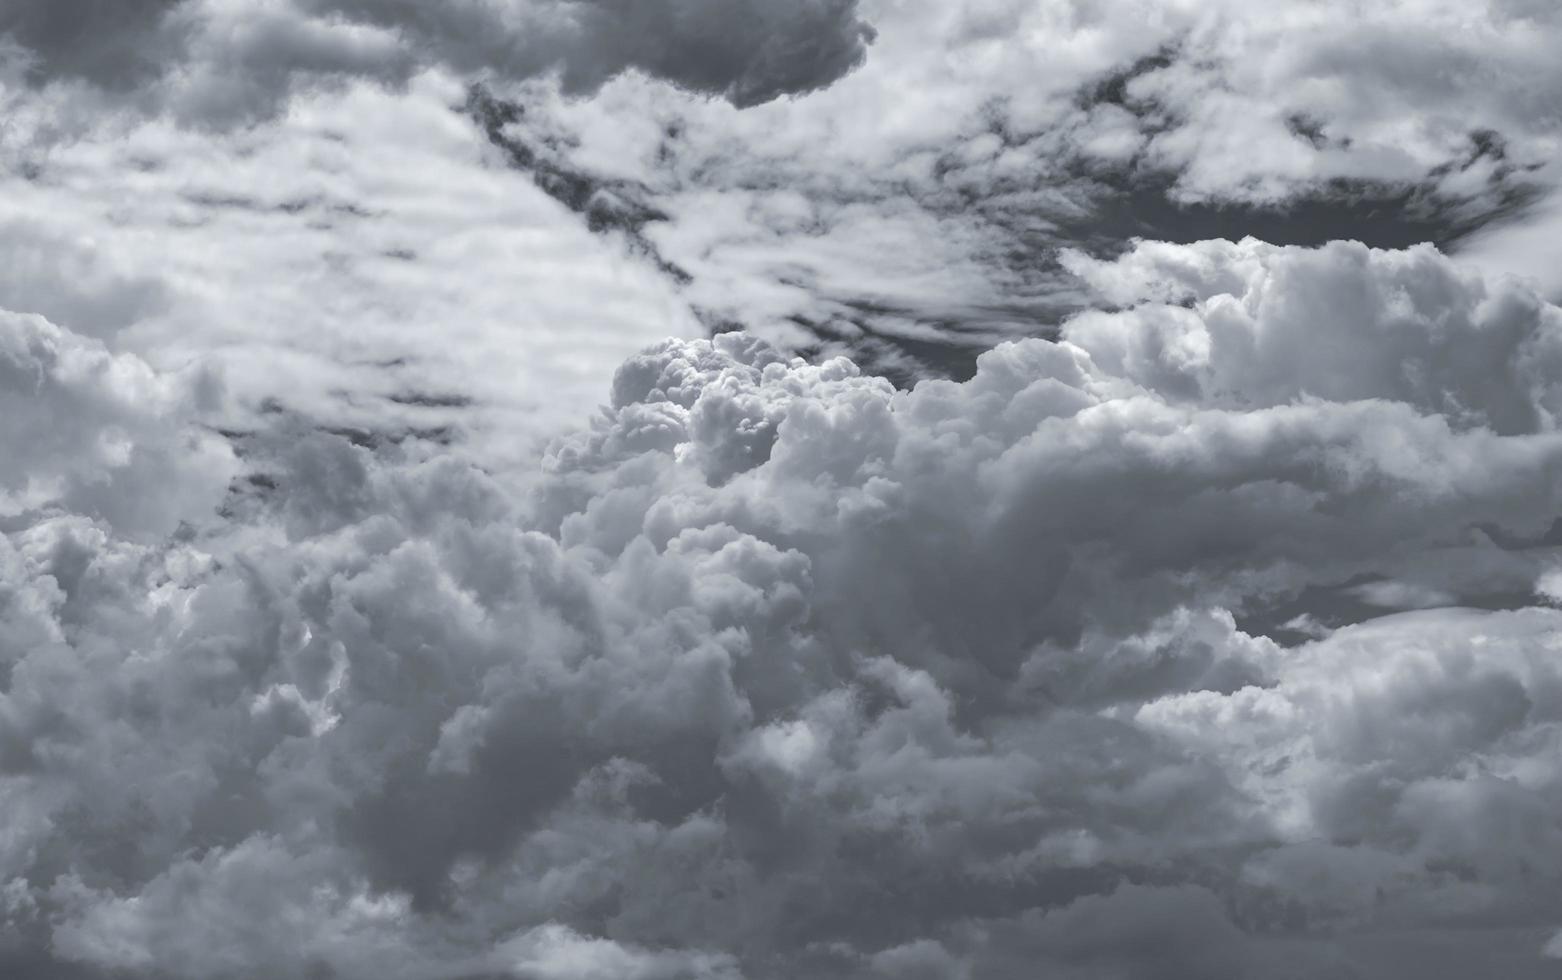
{"x":779,"y":671}
{"x":917,"y":206}
{"x":220,"y":62}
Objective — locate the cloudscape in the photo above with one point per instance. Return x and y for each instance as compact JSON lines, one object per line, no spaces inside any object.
{"x":771,"y":489}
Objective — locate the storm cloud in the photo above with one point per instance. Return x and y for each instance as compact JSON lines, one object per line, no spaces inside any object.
{"x":778,"y":670}
{"x":555,"y":490}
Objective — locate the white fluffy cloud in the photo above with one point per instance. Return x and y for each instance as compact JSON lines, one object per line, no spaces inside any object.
{"x":778,"y":671}
{"x":1253,"y":324}
{"x":1214,"y":636}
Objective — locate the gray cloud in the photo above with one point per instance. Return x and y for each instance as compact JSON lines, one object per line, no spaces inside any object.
{"x":91,"y":432}
{"x":778,"y":671}
{"x":1214,"y":635}
{"x":111,"y":44}
{"x":72,"y":282}
{"x":1147,"y":651}
{"x":993,"y":135}
{"x":1255,"y":324}
{"x":221,"y":62}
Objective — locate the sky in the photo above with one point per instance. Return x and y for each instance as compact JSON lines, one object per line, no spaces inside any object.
{"x":759,"y":489}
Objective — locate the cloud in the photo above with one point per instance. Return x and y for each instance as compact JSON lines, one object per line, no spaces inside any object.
{"x":990,"y":136}
{"x":1518,"y":245}
{"x":1211,"y":635}
{"x":94,"y":433}
{"x":112,"y":45}
{"x":1254,"y":324}
{"x":1447,"y":720}
{"x":73,"y":282}
{"x":777,"y":670}
{"x":221,"y":62}
{"x":911,"y":215}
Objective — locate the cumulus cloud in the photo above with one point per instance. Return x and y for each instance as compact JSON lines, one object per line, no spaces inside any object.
{"x":109,"y":44}
{"x":1213,"y":635}
{"x":1549,"y":585}
{"x":744,"y":50}
{"x":330,"y":267}
{"x":776,"y":670}
{"x":90,"y":432}
{"x":1452,"y":720}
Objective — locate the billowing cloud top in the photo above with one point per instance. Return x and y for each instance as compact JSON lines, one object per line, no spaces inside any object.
{"x":779,"y":671}
{"x":992,"y":135}
{"x":1213,"y":634}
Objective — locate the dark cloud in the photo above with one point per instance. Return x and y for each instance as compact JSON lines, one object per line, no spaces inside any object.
{"x":1212,"y":634}
{"x":745,"y":51}
{"x":223,"y":63}
{"x":1315,"y":322}
{"x":776,"y":670}
{"x":607,"y":205}
{"x":115,"y":44}
{"x":994,"y":135}
{"x":97,"y":433}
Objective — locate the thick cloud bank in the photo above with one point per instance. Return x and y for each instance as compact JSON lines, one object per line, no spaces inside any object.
{"x":220,"y":61}
{"x":777,"y":671}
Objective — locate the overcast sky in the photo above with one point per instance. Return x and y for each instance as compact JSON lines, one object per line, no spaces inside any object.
{"x":766,"y":489}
